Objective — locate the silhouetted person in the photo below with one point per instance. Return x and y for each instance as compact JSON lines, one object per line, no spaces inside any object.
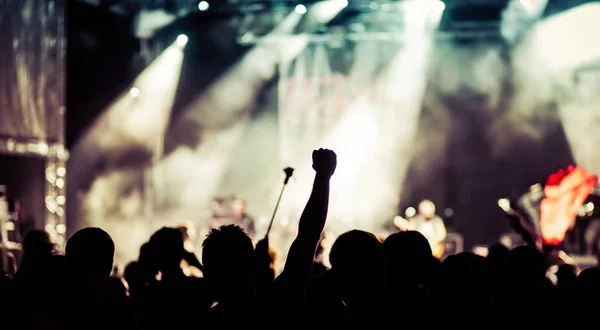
{"x":266,"y":266}
{"x":176,"y":301}
{"x":37,"y":249}
{"x":357,"y":265}
{"x":465,"y":287}
{"x":589,"y":280}
{"x":229,"y":267}
{"x":351,"y":292}
{"x":229,"y":264}
{"x":90,"y":253}
{"x":148,"y":261}
{"x":32,"y":275}
{"x":496,"y":258}
{"x":408,"y":266}
{"x":496,"y":264}
{"x":566,"y":278}
{"x":8,"y":296}
{"x":408,"y":257}
{"x":140,"y":275}
{"x":525,"y":286}
{"x":291,"y":286}
{"x":525,"y":268}
{"x":135,"y":278}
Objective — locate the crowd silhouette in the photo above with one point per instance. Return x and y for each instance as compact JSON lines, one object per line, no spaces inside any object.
{"x":372,"y":283}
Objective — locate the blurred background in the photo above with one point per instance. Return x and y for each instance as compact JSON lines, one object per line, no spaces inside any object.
{"x":168,"y":107}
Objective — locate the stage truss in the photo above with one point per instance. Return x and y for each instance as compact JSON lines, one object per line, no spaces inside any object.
{"x":32,"y":107}
{"x":55,"y":156}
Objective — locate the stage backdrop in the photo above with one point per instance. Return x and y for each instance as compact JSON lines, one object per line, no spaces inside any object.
{"x":32,"y":69}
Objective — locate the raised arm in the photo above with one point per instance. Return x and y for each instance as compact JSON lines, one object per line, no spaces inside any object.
{"x":312,"y":221}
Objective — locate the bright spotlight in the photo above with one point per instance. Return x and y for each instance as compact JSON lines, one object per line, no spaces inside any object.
{"x":410,"y":212}
{"x":525,"y":3}
{"x":504,"y":204}
{"x":344,"y":3}
{"x":300,"y":9}
{"x":203,"y":6}
{"x":134,"y":92}
{"x":440,"y":6}
{"x":182,"y":40}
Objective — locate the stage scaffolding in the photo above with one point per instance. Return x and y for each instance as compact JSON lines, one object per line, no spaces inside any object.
{"x":32,"y":99}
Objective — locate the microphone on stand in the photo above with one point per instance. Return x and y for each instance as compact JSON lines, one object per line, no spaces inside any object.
{"x":288,"y":174}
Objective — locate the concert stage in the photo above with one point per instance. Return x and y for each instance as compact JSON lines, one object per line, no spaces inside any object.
{"x":417,"y":102}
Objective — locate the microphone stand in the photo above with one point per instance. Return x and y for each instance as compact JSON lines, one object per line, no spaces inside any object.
{"x":288,"y":174}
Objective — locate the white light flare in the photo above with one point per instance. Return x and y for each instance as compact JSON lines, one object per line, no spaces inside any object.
{"x":203,"y":6}
{"x":134,"y":92}
{"x":182,"y":40}
{"x":564,"y":41}
{"x":133,"y":123}
{"x":422,"y":16}
{"x":519,"y":16}
{"x":545,"y":64}
{"x":376,"y":139}
{"x":216,"y":108}
{"x":400,"y":110}
{"x":300,"y":9}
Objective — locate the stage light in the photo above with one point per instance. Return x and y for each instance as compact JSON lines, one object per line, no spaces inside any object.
{"x":300,"y":9}
{"x":61,"y":228}
{"x":203,"y":6}
{"x":182,"y":40}
{"x":526,"y":3}
{"x":504,"y":204}
{"x":134,"y":92}
{"x":440,"y":6}
{"x":61,"y":171}
{"x":410,"y":212}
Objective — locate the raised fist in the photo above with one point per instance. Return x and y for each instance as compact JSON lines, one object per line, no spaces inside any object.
{"x":324,"y":161}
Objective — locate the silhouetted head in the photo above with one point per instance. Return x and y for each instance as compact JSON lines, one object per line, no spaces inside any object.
{"x":496,"y":258}
{"x":147,"y":261}
{"x":465,"y":272}
{"x":525,"y":265}
{"x":167,"y":247}
{"x":266,"y":256}
{"x":91,"y":250}
{"x":567,"y":277}
{"x":357,"y":259}
{"x":498,"y":251}
{"x":589,"y":279}
{"x":229,"y":260}
{"x":134,"y":276}
{"x":408,"y":258}
{"x":37,"y":244}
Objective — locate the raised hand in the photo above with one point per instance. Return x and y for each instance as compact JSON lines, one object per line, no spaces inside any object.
{"x":324,"y":161}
